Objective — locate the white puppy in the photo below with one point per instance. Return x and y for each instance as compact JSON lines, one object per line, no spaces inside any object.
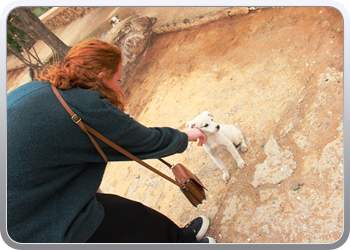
{"x":220,"y":137}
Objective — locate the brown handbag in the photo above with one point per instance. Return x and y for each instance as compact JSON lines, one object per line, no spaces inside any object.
{"x":188,"y":183}
{"x":191,"y":187}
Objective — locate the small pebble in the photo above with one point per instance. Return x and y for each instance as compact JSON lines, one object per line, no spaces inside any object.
{"x":295,"y":187}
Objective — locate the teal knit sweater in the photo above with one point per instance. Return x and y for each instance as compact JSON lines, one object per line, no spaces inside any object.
{"x":53,"y":169}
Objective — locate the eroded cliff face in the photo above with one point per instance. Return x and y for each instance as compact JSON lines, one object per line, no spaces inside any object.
{"x":275,"y":73}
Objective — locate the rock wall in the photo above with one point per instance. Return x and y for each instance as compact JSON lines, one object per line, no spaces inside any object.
{"x":188,"y":23}
{"x":60,"y":16}
{"x":132,"y":36}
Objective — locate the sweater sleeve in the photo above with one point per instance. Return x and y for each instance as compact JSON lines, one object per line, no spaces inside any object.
{"x":144,"y":142}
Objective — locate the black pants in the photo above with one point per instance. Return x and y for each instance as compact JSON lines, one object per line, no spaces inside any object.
{"x":127,"y":221}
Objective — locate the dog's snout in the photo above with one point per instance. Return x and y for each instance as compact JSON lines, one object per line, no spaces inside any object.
{"x":218,"y":127}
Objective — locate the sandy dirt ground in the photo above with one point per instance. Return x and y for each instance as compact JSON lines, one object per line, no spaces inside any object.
{"x":276,"y":74}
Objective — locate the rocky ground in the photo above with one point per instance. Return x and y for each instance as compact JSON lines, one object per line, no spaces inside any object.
{"x":275,"y":73}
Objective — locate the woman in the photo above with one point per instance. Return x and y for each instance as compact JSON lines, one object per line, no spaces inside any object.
{"x":54,"y":170}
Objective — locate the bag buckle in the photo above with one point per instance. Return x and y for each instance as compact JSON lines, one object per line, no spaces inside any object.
{"x":75,"y":118}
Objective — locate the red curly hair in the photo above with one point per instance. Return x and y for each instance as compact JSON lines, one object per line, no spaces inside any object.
{"x":81,"y":68}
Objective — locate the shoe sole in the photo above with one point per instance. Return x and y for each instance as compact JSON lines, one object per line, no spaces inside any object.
{"x":203,"y":229}
{"x":211,"y":240}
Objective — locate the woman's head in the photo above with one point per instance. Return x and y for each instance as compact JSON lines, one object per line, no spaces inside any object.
{"x":92,"y":64}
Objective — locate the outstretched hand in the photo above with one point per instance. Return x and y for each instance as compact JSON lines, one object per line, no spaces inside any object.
{"x":195,"y":134}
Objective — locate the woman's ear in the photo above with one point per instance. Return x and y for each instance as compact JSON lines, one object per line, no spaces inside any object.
{"x":101,"y":75}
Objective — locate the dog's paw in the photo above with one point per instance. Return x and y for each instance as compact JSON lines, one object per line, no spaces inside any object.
{"x":241,"y":164}
{"x":244,"y":148}
{"x":226,"y":177}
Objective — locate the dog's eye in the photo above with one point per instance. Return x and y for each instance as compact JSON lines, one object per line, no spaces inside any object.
{"x":206,"y":125}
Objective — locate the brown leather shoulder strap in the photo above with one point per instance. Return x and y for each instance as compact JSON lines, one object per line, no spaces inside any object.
{"x":126,"y":153}
{"x":77,"y":120}
{"x":86,"y":128}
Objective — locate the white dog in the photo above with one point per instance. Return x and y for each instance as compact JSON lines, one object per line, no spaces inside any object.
{"x":220,"y":137}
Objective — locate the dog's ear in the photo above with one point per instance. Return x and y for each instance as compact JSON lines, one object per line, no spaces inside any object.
{"x":189,"y":125}
{"x":208,"y":113}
